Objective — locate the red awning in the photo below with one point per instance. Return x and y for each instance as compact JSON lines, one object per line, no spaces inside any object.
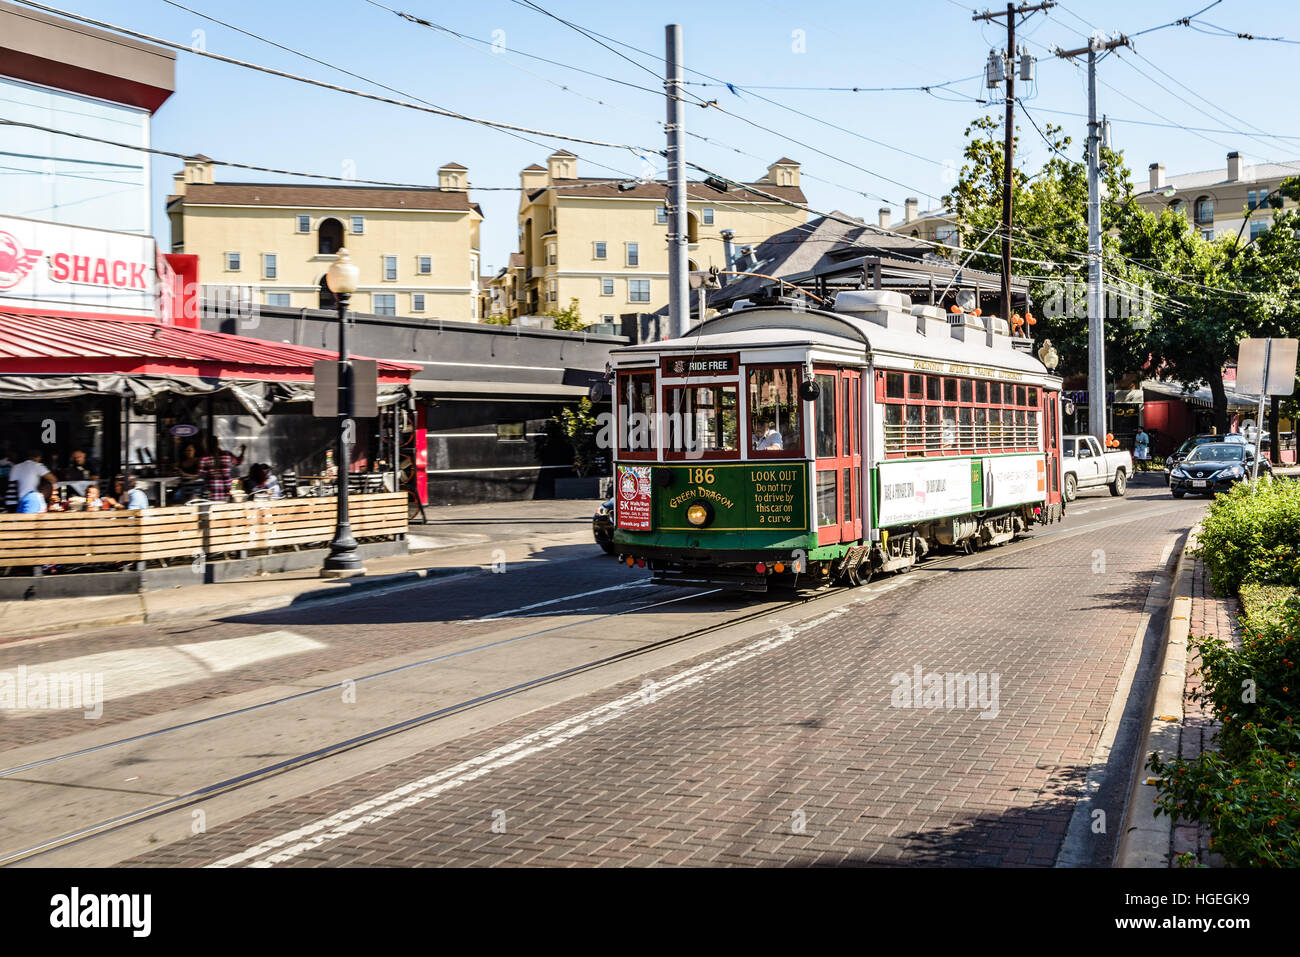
{"x":68,"y":345}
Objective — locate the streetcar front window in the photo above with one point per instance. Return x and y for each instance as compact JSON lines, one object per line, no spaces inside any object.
{"x":825,"y":407}
{"x":775,"y":427}
{"x":702,"y":419}
{"x":636,"y":412}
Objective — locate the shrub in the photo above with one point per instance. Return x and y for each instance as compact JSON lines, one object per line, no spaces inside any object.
{"x":1252,"y":534}
{"x":1249,"y":791}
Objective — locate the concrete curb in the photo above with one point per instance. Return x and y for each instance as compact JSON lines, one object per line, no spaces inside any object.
{"x":1147,"y":840}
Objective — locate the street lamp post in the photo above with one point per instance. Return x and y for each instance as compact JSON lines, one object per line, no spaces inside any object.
{"x":341,"y":278}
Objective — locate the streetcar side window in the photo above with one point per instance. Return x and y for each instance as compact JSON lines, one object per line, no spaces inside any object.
{"x":775,"y":423}
{"x":636,"y":412}
{"x":702,"y":419}
{"x":826,"y":408}
{"x":893,"y":385}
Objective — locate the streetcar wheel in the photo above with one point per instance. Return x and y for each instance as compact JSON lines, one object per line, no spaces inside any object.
{"x":1071,"y":488}
{"x":1118,"y":486}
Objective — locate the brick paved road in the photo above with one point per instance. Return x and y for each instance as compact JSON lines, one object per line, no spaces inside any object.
{"x":791,"y":752}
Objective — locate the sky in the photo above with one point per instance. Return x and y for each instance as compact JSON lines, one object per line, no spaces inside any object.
{"x":891,"y":145}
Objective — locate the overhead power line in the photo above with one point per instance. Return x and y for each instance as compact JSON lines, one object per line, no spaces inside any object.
{"x":405,"y":104}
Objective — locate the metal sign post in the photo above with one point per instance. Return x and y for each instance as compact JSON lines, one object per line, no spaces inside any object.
{"x":1266,"y":366}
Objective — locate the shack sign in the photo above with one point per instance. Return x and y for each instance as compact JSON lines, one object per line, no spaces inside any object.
{"x":91,"y":270}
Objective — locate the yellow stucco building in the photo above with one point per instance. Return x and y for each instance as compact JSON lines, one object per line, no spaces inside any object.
{"x":605,"y":243}
{"x":418,"y":249}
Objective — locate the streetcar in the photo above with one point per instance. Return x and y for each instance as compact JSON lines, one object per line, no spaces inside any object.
{"x":782,"y":444}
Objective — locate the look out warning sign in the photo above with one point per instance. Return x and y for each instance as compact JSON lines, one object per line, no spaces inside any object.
{"x":632,"y":505}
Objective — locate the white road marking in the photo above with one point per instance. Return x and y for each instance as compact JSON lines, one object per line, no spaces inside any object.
{"x":287,"y":846}
{"x":136,"y":670}
{"x":556,"y":601}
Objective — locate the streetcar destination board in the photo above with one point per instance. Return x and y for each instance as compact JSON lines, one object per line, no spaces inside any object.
{"x":679,"y":366}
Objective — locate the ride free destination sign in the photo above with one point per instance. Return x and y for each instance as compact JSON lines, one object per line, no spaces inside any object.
{"x":741,"y":497}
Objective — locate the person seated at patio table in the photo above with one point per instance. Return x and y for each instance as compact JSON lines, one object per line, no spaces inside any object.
{"x":262,"y":482}
{"x":79,"y":468}
{"x":135,"y":496}
{"x":96,"y":502}
{"x":38,"y":499}
{"x":191,"y":454}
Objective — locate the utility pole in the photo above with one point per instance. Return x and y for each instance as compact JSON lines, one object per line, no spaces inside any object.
{"x":679,"y":307}
{"x":1009,"y":70}
{"x":1096,"y":301}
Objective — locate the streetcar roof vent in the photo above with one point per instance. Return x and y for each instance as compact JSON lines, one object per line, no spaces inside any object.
{"x":865,"y":300}
{"x":930,"y":321}
{"x":889,"y":309}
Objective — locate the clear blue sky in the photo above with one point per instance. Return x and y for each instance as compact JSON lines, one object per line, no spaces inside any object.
{"x":231,"y":113}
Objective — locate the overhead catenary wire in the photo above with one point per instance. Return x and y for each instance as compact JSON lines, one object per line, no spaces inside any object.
{"x":291,"y":172}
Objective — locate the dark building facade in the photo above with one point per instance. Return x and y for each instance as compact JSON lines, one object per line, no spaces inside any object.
{"x":485,"y":398}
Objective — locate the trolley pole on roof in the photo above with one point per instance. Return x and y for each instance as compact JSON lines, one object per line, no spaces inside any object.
{"x":679,"y":300}
{"x":1096,"y":301}
{"x":1008,"y":147}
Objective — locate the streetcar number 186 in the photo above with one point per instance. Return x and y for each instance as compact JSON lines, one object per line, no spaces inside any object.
{"x":701,"y":476}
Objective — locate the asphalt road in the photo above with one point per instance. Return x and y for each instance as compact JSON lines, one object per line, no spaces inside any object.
{"x":555,"y":708}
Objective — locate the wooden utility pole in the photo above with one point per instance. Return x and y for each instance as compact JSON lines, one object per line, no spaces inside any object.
{"x":1009,"y":70}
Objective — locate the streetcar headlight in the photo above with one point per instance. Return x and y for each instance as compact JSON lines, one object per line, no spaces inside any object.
{"x":699,"y":514}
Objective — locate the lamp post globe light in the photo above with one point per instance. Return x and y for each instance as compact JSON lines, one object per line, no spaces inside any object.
{"x":343,"y":559}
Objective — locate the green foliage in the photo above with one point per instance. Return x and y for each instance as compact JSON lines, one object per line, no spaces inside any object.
{"x":1252,"y":534}
{"x":569,"y":318}
{"x":1248,"y":791}
{"x":579,"y":427}
{"x":501,"y":320}
{"x":1263,"y":605}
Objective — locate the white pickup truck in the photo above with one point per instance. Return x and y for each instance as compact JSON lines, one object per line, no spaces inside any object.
{"x":1085,"y":465}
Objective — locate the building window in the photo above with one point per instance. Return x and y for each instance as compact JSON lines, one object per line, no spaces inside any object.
{"x":512,"y":432}
{"x":304,"y":223}
{"x":232,"y":262}
{"x":390,"y":268}
{"x":277,"y":299}
{"x":607,"y":287}
{"x":551,"y":290}
{"x":550,"y":254}
{"x":358,"y":225}
{"x":329,"y":237}
{"x":633,"y":254}
{"x":417,"y":302}
{"x":947,"y":235}
{"x":706,"y":215}
{"x":1207,"y":233}
{"x":661,"y":215}
{"x":424,"y":265}
{"x":607,"y":317}
{"x":1178,"y":207}
{"x":268,"y":266}
{"x":638,"y":290}
{"x":598,"y":250}
{"x":1257,"y":228}
{"x":385,"y":304}
{"x":1204,"y":210}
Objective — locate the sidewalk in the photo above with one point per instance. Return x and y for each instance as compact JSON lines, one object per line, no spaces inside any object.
{"x":456,"y":540}
{"x":1180,"y":725}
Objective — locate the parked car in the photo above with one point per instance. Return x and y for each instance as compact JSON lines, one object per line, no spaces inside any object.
{"x":602,"y":526}
{"x":1186,"y":448}
{"x":1215,"y":467}
{"x":1085,"y":465}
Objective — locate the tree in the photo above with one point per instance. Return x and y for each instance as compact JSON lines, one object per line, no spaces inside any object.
{"x":579,"y":427}
{"x":498,"y":320}
{"x":569,"y":318}
{"x":1050,"y":238}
